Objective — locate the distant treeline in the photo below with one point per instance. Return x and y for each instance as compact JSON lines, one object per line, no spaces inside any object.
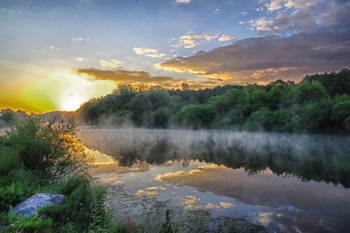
{"x":319,"y":103}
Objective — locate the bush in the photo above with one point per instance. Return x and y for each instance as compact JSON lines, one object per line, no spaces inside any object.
{"x":32,"y":224}
{"x":16,"y":187}
{"x":50,"y":149}
{"x":9,"y":160}
{"x":83,"y":209}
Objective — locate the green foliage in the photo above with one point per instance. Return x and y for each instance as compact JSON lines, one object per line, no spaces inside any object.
{"x":7,"y":115}
{"x":255,"y":98}
{"x":224,"y":103}
{"x":157,"y":99}
{"x":161,"y":118}
{"x":167,"y":226}
{"x":9,"y":160}
{"x":47,"y":157}
{"x":282,"y":106}
{"x":32,"y":224}
{"x":17,"y":186}
{"x":340,"y":112}
{"x":266,"y":120}
{"x":50,"y":149}
{"x":196,"y":116}
{"x":312,"y":117}
{"x":83,"y":207}
{"x":309,"y":92}
{"x":335,"y":83}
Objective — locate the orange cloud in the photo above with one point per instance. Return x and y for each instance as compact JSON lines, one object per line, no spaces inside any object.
{"x":142,"y":77}
{"x":267,"y":58}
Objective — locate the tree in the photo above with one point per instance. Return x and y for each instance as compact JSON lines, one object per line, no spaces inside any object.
{"x":123,"y":89}
{"x":157,"y":99}
{"x":335,"y":83}
{"x":161,"y":118}
{"x":309,"y":92}
{"x":340,"y":112}
{"x":196,"y":116}
{"x":7,"y":115}
{"x":312,"y":116}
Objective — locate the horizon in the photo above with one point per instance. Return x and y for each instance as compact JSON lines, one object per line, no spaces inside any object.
{"x":57,"y":55}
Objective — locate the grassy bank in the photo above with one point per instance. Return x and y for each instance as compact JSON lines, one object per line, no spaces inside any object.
{"x":38,"y":157}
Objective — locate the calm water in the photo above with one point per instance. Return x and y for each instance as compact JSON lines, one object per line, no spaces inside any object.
{"x":288,"y":183}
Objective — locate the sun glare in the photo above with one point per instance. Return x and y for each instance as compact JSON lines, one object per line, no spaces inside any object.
{"x":71,"y":104}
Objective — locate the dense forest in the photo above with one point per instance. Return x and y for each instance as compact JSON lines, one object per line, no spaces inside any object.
{"x":319,"y":103}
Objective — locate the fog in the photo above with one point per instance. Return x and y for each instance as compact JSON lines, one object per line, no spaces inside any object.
{"x":308,"y":157}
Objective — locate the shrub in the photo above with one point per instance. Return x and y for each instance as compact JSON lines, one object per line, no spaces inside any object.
{"x":9,"y":160}
{"x":50,"y":149}
{"x":15,"y":187}
{"x":83,"y":207}
{"x":32,"y":224}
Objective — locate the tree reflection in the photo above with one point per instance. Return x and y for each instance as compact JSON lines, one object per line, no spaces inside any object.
{"x":316,"y":158}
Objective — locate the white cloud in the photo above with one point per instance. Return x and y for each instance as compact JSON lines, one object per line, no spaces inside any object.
{"x":148,"y":52}
{"x":183,"y":1}
{"x":290,"y":16}
{"x":224,"y":38}
{"x":191,"y":39}
{"x":274,"y":5}
{"x":77,"y":39}
{"x":262,"y":24}
{"x":112,"y":63}
{"x":79,"y":59}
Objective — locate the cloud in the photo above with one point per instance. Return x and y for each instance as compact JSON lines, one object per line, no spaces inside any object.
{"x":267,"y":58}
{"x":77,"y":39}
{"x":291,"y":16}
{"x":144,"y":78}
{"x":274,"y":5}
{"x":263,"y":24}
{"x":191,"y":39}
{"x":112,"y":63}
{"x":224,"y":38}
{"x":148,"y":52}
{"x":79,"y":59}
{"x":183,"y":1}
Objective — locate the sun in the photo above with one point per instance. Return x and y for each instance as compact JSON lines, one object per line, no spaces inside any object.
{"x":71,"y":103}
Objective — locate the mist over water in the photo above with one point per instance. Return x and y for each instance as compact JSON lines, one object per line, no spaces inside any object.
{"x":286,"y":182}
{"x":308,"y":157}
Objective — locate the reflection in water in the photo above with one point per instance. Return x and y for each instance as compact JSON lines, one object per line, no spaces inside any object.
{"x":308,"y":157}
{"x":258,"y":176}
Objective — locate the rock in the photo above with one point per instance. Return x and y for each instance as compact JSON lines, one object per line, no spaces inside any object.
{"x":37,"y":201}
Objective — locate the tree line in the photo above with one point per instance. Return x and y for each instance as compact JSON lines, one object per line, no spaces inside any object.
{"x":319,"y":103}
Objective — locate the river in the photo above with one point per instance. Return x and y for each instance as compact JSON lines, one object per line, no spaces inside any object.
{"x":285,"y":182}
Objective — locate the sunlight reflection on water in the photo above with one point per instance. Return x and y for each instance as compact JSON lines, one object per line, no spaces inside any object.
{"x":243,"y":187}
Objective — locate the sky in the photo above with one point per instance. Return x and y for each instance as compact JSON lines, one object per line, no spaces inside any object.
{"x":57,"y":54}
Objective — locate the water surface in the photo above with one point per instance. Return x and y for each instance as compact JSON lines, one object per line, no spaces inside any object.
{"x":286,"y":182}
